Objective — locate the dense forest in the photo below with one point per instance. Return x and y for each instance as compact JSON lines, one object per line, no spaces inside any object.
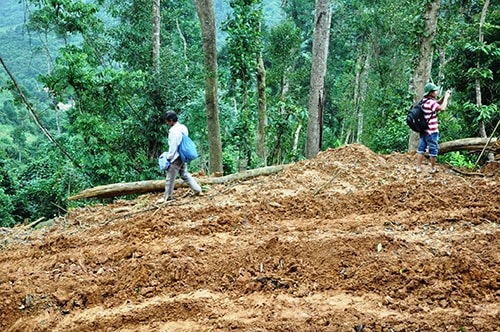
{"x":85,"y":85}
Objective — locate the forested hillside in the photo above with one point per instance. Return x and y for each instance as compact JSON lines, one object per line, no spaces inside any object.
{"x":98,"y":84}
{"x":12,"y":14}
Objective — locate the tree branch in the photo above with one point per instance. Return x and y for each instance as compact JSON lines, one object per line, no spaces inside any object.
{"x":35,"y":116}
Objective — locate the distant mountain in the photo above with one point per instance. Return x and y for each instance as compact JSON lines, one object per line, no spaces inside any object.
{"x":12,"y":14}
{"x":22,"y":51}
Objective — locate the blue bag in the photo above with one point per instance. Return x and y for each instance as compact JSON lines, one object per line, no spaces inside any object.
{"x":187,"y":149}
{"x":163,"y":162}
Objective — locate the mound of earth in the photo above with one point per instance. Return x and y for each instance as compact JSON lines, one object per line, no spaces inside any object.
{"x":347,"y":241}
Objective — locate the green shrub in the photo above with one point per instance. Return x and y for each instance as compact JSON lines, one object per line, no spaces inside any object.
{"x":457,"y":159}
{"x":228,"y":161}
{"x":6,"y":209}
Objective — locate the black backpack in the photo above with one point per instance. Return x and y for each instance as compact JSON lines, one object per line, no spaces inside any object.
{"x":416,"y":119}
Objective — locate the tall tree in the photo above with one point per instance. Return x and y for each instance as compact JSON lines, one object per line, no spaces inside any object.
{"x":361,"y":87}
{"x":205,"y":10}
{"x":156,"y":35}
{"x":321,"y":37}
{"x":480,"y":72}
{"x":422,"y":72}
{"x":244,"y":44}
{"x":260,"y":137}
{"x":482,"y":130}
{"x":283,"y":50}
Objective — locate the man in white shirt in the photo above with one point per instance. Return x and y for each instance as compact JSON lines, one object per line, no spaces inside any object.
{"x":176,"y":166}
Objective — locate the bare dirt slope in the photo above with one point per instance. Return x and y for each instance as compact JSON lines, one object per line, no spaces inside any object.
{"x":347,"y":241}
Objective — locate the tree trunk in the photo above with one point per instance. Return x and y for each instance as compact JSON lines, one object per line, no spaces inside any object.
{"x":260,"y":146}
{"x":360,"y":87}
{"x":206,"y":15}
{"x":471,"y":144}
{"x":443,"y":62}
{"x":321,"y":38}
{"x":357,"y":88}
{"x":184,"y":43}
{"x":296,"y":138}
{"x":278,"y":146}
{"x":156,"y":35}
{"x":362,"y":96}
{"x":423,"y":71}
{"x":479,"y":102}
{"x":141,"y":187}
{"x":245,"y":150}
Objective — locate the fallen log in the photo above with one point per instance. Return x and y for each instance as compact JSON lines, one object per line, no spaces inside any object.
{"x":141,"y":187}
{"x":471,"y":144}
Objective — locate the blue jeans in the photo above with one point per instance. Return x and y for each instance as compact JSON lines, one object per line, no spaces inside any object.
{"x":429,"y":141}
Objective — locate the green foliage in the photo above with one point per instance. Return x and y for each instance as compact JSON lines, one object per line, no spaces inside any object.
{"x":484,"y":113}
{"x":285,"y":122}
{"x":454,"y":123}
{"x":8,"y":114}
{"x":487,"y":112}
{"x":301,"y":12}
{"x":244,"y":39}
{"x":483,"y":49}
{"x":229,"y":157}
{"x":283,"y":49}
{"x":475,"y":62}
{"x":330,"y":140}
{"x":244,"y":43}
{"x":39,"y":188}
{"x":63,"y":17}
{"x":6,"y":209}
{"x":6,"y":191}
{"x":457,"y":159}
{"x":388,"y":138}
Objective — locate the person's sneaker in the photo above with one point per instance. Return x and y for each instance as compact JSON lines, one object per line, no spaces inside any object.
{"x":433,"y":170}
{"x":418,"y":170}
{"x":163,"y":200}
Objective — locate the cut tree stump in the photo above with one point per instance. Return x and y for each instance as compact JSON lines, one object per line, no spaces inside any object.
{"x":141,"y":187}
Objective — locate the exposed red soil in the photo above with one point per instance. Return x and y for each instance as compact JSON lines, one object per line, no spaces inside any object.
{"x":347,"y":241}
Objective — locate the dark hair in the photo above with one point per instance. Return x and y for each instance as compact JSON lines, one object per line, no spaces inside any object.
{"x":171,"y":116}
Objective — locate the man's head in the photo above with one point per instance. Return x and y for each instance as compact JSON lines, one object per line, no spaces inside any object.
{"x":429,"y":88}
{"x":171,"y":117}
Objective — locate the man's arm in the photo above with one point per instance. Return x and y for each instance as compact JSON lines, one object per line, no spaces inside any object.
{"x":443,"y":102}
